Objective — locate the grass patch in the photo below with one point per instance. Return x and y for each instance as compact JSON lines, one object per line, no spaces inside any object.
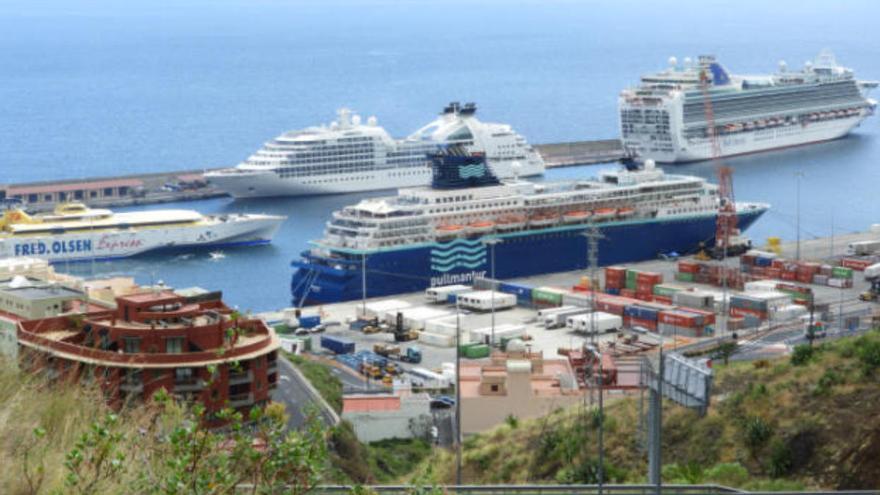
{"x":393,"y":459}
{"x":322,"y":379}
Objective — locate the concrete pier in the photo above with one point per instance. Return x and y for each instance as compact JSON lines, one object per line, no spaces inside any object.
{"x":188,"y":185}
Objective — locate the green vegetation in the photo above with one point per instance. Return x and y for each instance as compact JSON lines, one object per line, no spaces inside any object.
{"x":386,"y":461}
{"x":809,"y":421}
{"x":321,"y":378}
{"x":65,"y":440}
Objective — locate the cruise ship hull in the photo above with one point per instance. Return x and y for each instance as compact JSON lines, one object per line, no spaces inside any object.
{"x":762,"y":140}
{"x":319,"y":281}
{"x":123,"y":243}
{"x":269,"y":184}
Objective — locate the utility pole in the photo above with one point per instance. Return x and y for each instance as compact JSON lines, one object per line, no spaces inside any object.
{"x":458,"y":435}
{"x":799,"y":174}
{"x":601,"y":470}
{"x":364,"y":283}
{"x":491,"y":242}
{"x":593,"y":236}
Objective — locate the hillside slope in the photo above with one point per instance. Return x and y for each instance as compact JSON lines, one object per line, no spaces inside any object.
{"x":806,"y":421}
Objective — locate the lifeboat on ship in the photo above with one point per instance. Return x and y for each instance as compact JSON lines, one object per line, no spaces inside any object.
{"x":511,"y":222}
{"x":543,"y":220}
{"x":576,"y":216}
{"x":626,"y":212}
{"x":604,"y":213}
{"x":814,"y":117}
{"x":481,"y":227}
{"x":748,"y":126}
{"x":448,"y":231}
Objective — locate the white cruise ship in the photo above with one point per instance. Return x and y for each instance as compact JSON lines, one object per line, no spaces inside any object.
{"x":350,"y":156}
{"x":74,"y":232}
{"x":664,"y":118}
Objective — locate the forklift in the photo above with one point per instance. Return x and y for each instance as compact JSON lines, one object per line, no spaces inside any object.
{"x":873,"y":292}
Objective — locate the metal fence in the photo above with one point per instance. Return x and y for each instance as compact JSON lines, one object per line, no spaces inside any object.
{"x":568,"y":490}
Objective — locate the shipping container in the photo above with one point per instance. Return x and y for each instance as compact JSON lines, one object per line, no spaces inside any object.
{"x":558,"y":319}
{"x":667,"y":290}
{"x":857,"y":263}
{"x":694,"y":299}
{"x":684,"y":276}
{"x":486,"y":300}
{"x":309,"y":321}
{"x":581,"y":299}
{"x":441,"y":294}
{"x":688,"y":267}
{"x":547,"y":296}
{"x":379,"y":308}
{"x":509,"y":330}
{"x":862,"y":248}
{"x":522,"y":292}
{"x":486,"y":284}
{"x":842,"y":272}
{"x":477,"y":351}
{"x":667,"y":329}
{"x":604,"y":322}
{"x":338,"y":345}
{"x":872,"y":271}
{"x":438,"y":340}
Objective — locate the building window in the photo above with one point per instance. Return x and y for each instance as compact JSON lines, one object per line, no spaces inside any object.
{"x":131,"y":345}
{"x":494,"y":388}
{"x":108,"y":192}
{"x":93,"y":194}
{"x":33,"y":198}
{"x":174,"y":345}
{"x":183,"y":375}
{"x":77,"y":195}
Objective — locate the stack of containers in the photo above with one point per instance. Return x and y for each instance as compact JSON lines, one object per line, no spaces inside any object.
{"x":613,"y":304}
{"x":841,"y":276}
{"x":685,"y":322}
{"x":584,"y":285}
{"x":687,"y":271}
{"x":694,"y":299}
{"x":545,"y":297}
{"x":858,"y":264}
{"x":615,"y":279}
{"x":645,"y":282}
{"x":757,"y":304}
{"x":799,"y":294}
{"x":663,"y":293}
{"x":522,"y":292}
{"x":769,"y":265}
{"x":641,"y":315}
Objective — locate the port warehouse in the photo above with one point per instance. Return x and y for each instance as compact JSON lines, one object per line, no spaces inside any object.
{"x":679,"y":299}
{"x":190,"y":184}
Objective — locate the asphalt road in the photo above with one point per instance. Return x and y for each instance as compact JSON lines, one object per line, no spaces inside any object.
{"x":296,"y":397}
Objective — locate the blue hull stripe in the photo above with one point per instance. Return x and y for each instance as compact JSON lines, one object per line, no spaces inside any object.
{"x":166,"y":249}
{"x":521,"y":254}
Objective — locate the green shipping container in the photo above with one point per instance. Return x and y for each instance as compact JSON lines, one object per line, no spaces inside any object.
{"x":477,"y":351}
{"x":841,"y":272}
{"x":464,"y":347}
{"x":631,"y":277}
{"x":665,"y":290}
{"x":684,"y":277}
{"x":546,"y":297}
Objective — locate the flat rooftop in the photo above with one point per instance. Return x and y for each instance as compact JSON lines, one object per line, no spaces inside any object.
{"x":37,"y":290}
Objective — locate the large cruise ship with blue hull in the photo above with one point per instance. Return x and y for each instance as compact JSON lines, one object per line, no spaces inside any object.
{"x":446,"y":234}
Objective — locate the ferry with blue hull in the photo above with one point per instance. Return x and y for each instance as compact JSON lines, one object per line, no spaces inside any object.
{"x":446,"y":234}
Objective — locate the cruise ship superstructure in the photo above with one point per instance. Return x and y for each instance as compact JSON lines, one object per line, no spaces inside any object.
{"x":350,"y":155}
{"x":664,"y":118}
{"x":430,"y":236}
{"x":76,"y":233}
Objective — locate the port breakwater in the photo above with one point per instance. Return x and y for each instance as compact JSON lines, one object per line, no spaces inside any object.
{"x":190,"y":185}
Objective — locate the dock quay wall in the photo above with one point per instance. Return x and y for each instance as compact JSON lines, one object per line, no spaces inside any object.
{"x":188,"y":185}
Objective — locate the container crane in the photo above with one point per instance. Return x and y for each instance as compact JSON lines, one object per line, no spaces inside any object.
{"x":728,"y":239}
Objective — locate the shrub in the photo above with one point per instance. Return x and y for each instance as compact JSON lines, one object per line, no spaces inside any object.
{"x":757,"y":432}
{"x":869,"y":355}
{"x":512,"y":421}
{"x":780,"y":459}
{"x":727,"y":474}
{"x":801,"y":355}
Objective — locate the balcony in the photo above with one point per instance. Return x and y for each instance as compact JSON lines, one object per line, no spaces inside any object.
{"x":238,"y":378}
{"x":189,"y":385}
{"x":131,"y":386}
{"x":241,"y":400}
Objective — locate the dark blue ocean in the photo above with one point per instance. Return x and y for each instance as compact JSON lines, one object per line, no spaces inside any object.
{"x":96,"y":88}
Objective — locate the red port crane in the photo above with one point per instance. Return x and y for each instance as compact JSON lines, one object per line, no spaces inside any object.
{"x":725,"y":225}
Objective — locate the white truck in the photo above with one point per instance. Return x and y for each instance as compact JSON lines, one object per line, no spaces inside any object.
{"x":560,"y":318}
{"x":441,"y":294}
{"x":605,"y":322}
{"x":862,"y":248}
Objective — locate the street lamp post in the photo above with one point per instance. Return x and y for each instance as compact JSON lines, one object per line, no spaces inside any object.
{"x":799,"y":174}
{"x":491,"y":242}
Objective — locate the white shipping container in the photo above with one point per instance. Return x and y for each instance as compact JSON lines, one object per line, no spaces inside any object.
{"x":762,"y":254}
{"x":789,"y":312}
{"x":872,"y":271}
{"x":576,"y":299}
{"x":424,"y":378}
{"x":863,"y":247}
{"x":447,"y":324}
{"x":506,"y":330}
{"x":760,"y":286}
{"x":485,"y":300}
{"x":837,"y":282}
{"x":774,"y":299}
{"x":559,"y":319}
{"x":441,"y":294}
{"x":605,"y":322}
{"x":414,"y":318}
{"x":542,"y":313}
{"x":437,"y":340}
{"x":694,"y":299}
{"x":379,"y":308}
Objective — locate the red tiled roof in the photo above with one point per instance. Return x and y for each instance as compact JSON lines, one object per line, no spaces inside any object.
{"x":370,"y":403}
{"x":76,"y":186}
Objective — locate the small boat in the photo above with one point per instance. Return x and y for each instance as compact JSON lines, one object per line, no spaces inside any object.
{"x":604,"y":213}
{"x":626,"y":212}
{"x":576,"y":216}
{"x":447,"y":231}
{"x":480,"y":227}
{"x":216,"y":255}
{"x":510,"y":222}
{"x":543,"y":220}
